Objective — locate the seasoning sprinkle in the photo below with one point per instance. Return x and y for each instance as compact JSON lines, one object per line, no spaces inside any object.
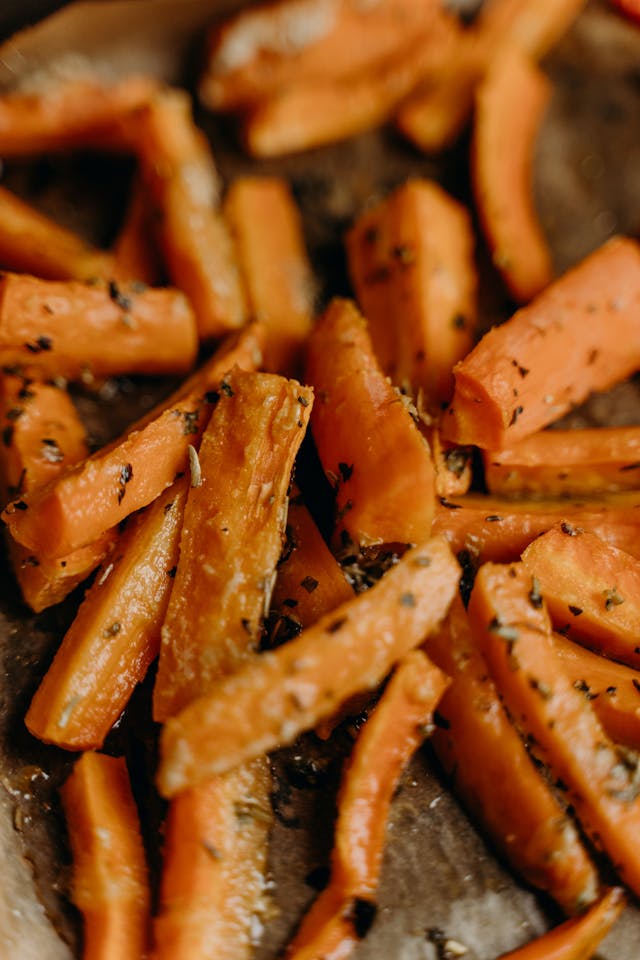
{"x":126,"y":473}
{"x":194,"y":466}
{"x":309,"y":584}
{"x":612,"y":598}
{"x":112,"y":630}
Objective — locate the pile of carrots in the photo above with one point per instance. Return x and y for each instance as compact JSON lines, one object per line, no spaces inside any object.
{"x":502,"y":623}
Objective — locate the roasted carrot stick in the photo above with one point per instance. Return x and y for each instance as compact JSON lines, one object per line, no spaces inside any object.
{"x":116,"y":632}
{"x":385,"y":745}
{"x":110,"y":885}
{"x":512,"y":627}
{"x":383,"y":469}
{"x":279,"y":694}
{"x":79,"y":330}
{"x":592,"y":590}
{"x":267,"y":229}
{"x":411,"y":263}
{"x":453,"y":465}
{"x":575,"y":337}
{"x":503,"y":791}
{"x":535,"y":26}
{"x":510,"y":104}
{"x":575,"y":939}
{"x":135,"y":250}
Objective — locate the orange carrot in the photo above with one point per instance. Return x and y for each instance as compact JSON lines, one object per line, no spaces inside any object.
{"x":383,"y":471}
{"x":575,"y":337}
{"x":110,"y":884}
{"x":135,"y":251}
{"x":267,"y":229}
{"x":116,"y":632}
{"x":510,"y":103}
{"x":631,"y":8}
{"x":493,"y":775}
{"x":345,"y":910}
{"x":79,"y":331}
{"x":411,"y":263}
{"x":284,"y":692}
{"x":534,"y":26}
{"x":453,"y":465}
{"x":575,"y":939}
{"x":512,"y":627}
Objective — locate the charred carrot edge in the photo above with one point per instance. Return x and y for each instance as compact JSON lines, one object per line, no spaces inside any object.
{"x":375,"y":480}
{"x":338,"y":42}
{"x":135,"y":251}
{"x":110,"y":884}
{"x":115,"y":634}
{"x":79,"y":330}
{"x":503,"y":792}
{"x":510,"y":103}
{"x":212,"y":625}
{"x":386,"y":743}
{"x":511,"y":626}
{"x":411,"y":264}
{"x":179,"y":173}
{"x":266,"y":226}
{"x":592,"y":590}
{"x":282,"y":693}
{"x":452,"y":464}
{"x":572,"y":339}
{"x":578,"y":938}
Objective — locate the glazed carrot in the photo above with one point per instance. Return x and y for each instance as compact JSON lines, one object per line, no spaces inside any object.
{"x":267,"y":229}
{"x":575,"y":939}
{"x":110,"y":885}
{"x":382,"y":469}
{"x":510,"y":103}
{"x":573,"y":338}
{"x":78,"y":330}
{"x":346,"y":908}
{"x":453,"y":465}
{"x":245,"y":462}
{"x":512,"y":627}
{"x":135,"y":250}
{"x":411,"y":264}
{"x":591,"y":589}
{"x":493,"y":775}
{"x":180,"y":175}
{"x":116,"y":632}
{"x":284,"y":692}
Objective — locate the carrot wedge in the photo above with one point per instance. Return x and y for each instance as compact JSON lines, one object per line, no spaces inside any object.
{"x":510,"y":103}
{"x":411,"y":263}
{"x":110,"y":884}
{"x":384,"y":465}
{"x":346,"y":908}
{"x":284,"y":692}
{"x":512,"y":627}
{"x":573,"y":338}
{"x":135,"y":251}
{"x":575,"y":939}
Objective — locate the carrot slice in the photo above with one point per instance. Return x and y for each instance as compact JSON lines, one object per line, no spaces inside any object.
{"x":503,"y":791}
{"x":116,"y":632}
{"x":510,"y":104}
{"x":110,"y":884}
{"x":575,"y":337}
{"x":512,"y":627}
{"x":591,"y":589}
{"x":575,"y":939}
{"x":383,"y":469}
{"x":79,"y":330}
{"x":411,"y":263}
{"x":267,"y":229}
{"x":344,"y":911}
{"x":280,"y":694}
{"x":135,"y":251}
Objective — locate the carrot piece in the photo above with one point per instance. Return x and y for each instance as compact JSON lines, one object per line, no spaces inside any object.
{"x":411,"y":264}
{"x":110,"y":884}
{"x":79,"y":330}
{"x":591,"y":589}
{"x":251,"y":442}
{"x":453,"y":465}
{"x":535,"y":26}
{"x":180,"y":175}
{"x":630,"y":8}
{"x":503,"y":792}
{"x":346,"y":908}
{"x":266,"y":226}
{"x":284,"y":692}
{"x":573,"y":338}
{"x":116,"y":632}
{"x":512,"y":627}
{"x":510,"y":104}
{"x":383,"y":469}
{"x":135,"y":251}
{"x":575,"y":939}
